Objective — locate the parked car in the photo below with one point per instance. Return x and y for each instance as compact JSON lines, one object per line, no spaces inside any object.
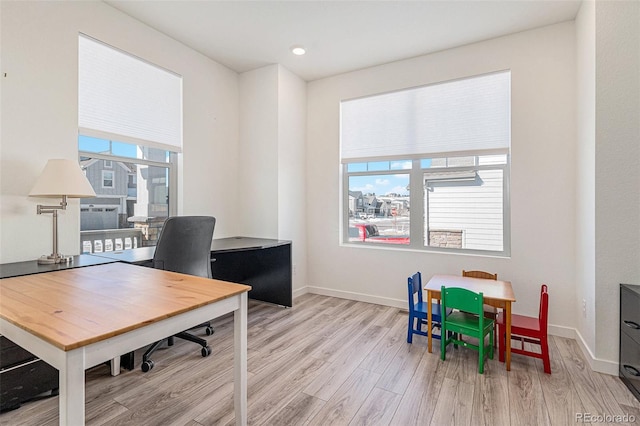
{"x":369,"y":232}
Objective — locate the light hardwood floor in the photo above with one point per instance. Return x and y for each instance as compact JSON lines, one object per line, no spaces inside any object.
{"x":330,"y":361}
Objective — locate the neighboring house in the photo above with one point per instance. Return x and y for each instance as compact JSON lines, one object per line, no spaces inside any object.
{"x":356,"y":203}
{"x":393,"y":203}
{"x":370,"y":204}
{"x":114,"y":183}
{"x":470,"y":208}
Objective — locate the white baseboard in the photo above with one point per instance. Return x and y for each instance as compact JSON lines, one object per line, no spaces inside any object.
{"x":300,"y":291}
{"x":360,"y":297}
{"x":599,"y":365}
{"x":561,"y":331}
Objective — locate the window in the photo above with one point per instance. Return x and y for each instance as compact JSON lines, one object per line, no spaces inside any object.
{"x":107,"y":179}
{"x":464,"y":202}
{"x":130,"y":136}
{"x":135,"y":209}
{"x":379,"y":202}
{"x":428,"y":168}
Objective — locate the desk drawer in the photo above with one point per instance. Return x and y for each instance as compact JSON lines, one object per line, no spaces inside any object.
{"x":630,"y":361}
{"x":26,"y":381}
{"x":12,"y":354}
{"x":630,"y":313}
{"x":23,"y":376}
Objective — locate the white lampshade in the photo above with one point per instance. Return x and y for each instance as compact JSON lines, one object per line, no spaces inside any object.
{"x":62,"y":177}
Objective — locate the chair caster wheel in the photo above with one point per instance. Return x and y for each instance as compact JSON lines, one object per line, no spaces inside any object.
{"x":209,"y":331}
{"x":147,"y":365}
{"x":206,"y":351}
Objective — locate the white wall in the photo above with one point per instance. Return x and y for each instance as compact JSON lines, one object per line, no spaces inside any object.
{"x":292,"y":211}
{"x":543,"y":175}
{"x":608,"y":166}
{"x":617,"y":164}
{"x":39,"y":117}
{"x":258,"y":168}
{"x":272,"y":152}
{"x":585,"y":182}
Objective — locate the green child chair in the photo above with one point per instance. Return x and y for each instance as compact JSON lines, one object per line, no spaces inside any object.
{"x":471,"y":322}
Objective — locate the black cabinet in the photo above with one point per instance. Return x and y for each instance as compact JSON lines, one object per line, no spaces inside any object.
{"x":630,"y":337}
{"x":23,"y":376}
{"x":263,"y":264}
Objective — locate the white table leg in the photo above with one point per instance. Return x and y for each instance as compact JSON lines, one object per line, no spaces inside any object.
{"x":115,"y":366}
{"x":72,"y":388}
{"x":240,"y":361}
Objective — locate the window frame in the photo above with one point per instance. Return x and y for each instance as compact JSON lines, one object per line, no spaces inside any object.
{"x":418,"y":217}
{"x":104,"y":179}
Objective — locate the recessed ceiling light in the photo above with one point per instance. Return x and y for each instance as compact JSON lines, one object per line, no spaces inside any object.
{"x":298,"y":50}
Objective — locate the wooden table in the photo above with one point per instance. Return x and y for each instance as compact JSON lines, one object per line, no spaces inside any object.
{"x":77,"y":318}
{"x":495,"y":293}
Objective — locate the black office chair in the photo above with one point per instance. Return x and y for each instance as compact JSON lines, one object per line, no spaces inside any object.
{"x":184,"y":245}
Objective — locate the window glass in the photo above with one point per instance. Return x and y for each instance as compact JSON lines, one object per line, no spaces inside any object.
{"x":464,"y":210}
{"x":463,"y":202}
{"x":132,"y":195}
{"x":379,"y":209}
{"x":357,"y":167}
{"x":376,"y":166}
{"x":400,"y":165}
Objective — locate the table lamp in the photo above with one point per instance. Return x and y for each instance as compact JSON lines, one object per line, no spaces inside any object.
{"x":60,"y":178}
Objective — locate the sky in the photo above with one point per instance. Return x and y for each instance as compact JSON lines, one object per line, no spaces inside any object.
{"x":380,"y":184}
{"x":90,"y":144}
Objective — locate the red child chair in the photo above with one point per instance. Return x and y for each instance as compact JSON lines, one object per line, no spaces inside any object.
{"x":528,"y":329}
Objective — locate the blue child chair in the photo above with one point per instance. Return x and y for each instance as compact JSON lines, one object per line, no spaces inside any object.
{"x":418,"y":310}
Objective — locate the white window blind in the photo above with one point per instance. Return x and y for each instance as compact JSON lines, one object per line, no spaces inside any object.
{"x":125,"y":98}
{"x":470,"y":114}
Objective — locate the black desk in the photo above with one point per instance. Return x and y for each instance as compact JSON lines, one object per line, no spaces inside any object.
{"x":17,"y":269}
{"x":138,"y":256}
{"x":264,"y":264}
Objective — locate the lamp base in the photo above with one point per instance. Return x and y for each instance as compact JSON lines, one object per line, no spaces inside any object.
{"x":53,"y":259}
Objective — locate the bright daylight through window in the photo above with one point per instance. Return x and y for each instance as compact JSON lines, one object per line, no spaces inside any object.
{"x":130,"y":133}
{"x":428,"y":167}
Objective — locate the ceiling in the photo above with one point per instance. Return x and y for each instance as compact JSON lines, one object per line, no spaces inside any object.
{"x":340,"y":36}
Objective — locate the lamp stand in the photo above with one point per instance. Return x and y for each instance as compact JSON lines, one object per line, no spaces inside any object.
{"x":54,"y":257}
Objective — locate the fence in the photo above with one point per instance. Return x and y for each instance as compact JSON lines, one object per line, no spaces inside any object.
{"x":110,"y":240}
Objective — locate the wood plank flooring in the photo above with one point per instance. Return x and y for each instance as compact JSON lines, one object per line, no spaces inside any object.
{"x":330,"y":361}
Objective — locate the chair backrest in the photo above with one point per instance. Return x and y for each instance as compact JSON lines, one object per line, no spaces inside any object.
{"x":184,"y":245}
{"x":463,"y":300}
{"x":414,"y":286}
{"x":543,"y":315}
{"x":480,"y":274}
